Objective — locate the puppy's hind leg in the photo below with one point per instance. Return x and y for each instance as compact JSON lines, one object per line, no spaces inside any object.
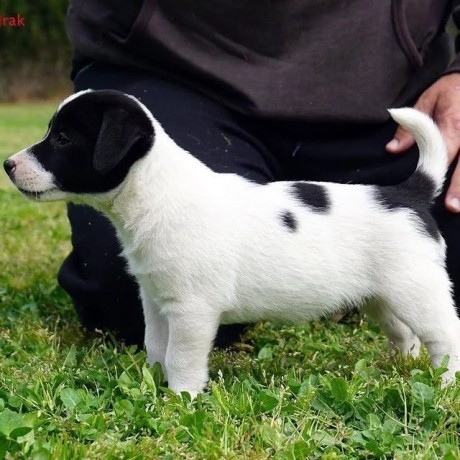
{"x":192,"y":330}
{"x":400,"y":335}
{"x":424,"y":301}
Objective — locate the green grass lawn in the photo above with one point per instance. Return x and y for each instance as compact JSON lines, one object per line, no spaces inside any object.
{"x":321,"y":390}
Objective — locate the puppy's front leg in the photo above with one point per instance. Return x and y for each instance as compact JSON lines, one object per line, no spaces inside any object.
{"x":156,"y":333}
{"x":191,"y":335}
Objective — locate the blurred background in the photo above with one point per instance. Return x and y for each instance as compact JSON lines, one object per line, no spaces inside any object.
{"x":35,"y":59}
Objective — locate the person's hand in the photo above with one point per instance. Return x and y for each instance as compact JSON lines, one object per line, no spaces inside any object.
{"x":442,"y":102}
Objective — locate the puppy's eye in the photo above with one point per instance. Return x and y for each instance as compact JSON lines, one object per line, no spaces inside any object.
{"x":62,"y":139}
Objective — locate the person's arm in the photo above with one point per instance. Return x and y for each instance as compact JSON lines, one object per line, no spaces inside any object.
{"x":442,"y":102}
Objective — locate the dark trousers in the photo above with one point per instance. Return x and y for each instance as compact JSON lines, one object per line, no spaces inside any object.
{"x":94,"y":275}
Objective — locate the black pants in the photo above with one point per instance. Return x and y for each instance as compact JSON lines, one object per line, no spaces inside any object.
{"x":94,"y":275}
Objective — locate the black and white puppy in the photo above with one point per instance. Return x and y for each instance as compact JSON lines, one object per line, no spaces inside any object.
{"x":210,"y":248}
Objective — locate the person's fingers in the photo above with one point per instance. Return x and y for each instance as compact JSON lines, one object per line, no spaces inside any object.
{"x":452,"y":201}
{"x":402,"y":139}
{"x":449,"y":125}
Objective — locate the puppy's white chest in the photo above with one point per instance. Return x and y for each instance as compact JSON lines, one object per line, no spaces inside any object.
{"x":155,"y":280}
{"x":159,"y":270}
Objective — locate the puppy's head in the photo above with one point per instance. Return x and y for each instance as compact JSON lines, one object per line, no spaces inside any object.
{"x":92,"y":141}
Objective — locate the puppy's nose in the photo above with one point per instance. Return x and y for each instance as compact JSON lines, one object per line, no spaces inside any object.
{"x":9,"y":166}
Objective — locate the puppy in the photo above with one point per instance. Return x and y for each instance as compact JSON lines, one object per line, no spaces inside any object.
{"x":210,"y":248}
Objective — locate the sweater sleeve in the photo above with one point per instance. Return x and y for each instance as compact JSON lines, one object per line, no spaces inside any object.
{"x":455,"y":64}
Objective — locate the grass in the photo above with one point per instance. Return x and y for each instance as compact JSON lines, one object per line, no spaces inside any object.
{"x":321,"y":390}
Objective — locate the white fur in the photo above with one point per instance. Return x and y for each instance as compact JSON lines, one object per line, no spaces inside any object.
{"x":72,"y":97}
{"x":30,"y":176}
{"x":433,"y":151}
{"x":210,"y":248}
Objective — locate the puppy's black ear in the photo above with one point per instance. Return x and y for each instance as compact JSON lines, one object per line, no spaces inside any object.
{"x":121,"y":134}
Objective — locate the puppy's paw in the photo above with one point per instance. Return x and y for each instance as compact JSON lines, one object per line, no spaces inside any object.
{"x":191,"y":391}
{"x":407,"y":347}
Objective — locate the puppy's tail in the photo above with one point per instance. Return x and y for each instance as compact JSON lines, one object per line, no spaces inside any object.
{"x":432,"y":163}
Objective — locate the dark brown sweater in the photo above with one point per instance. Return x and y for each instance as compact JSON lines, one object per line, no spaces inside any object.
{"x":313,"y":60}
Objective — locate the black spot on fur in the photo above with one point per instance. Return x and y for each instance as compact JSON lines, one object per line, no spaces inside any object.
{"x":421,"y":186}
{"x":417,"y":194}
{"x":289,"y":220}
{"x":313,"y":196}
